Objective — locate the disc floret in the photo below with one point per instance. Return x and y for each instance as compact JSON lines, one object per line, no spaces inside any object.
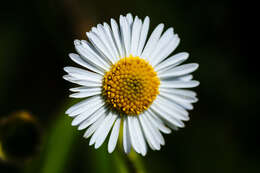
{"x":130,"y":86}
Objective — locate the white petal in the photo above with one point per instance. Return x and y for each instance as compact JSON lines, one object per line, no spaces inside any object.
{"x":139,"y":136}
{"x":135,"y":36}
{"x":85,"y":94}
{"x":84,"y":115}
{"x":87,"y":83}
{"x":133,"y":135}
{"x":172,"y":61}
{"x":94,"y":126}
{"x":168,"y":49}
{"x":129,"y":18}
{"x":102,"y":127}
{"x":85,"y":89}
{"x":182,"y":92}
{"x":125,"y":34}
{"x":116,"y":34}
{"x":104,"y":131}
{"x":81,"y":74}
{"x":94,"y":53}
{"x":180,"y":70}
{"x":158,"y":117}
{"x":126,"y":137}
{"x":77,"y":59}
{"x":162,"y":43}
{"x":179,"y":103}
{"x":114,"y":135}
{"x":155,"y":145}
{"x":143,"y":35}
{"x":179,"y":98}
{"x":156,"y":133}
{"x":84,"y":53}
{"x":179,"y":84}
{"x":158,"y":122}
{"x":185,"y":77}
{"x":99,"y":45}
{"x":107,"y":42}
{"x":164,"y":115}
{"x":81,"y":106}
{"x":151,"y":43}
{"x":93,"y":118}
{"x":172,"y":109}
{"x":111,"y":40}
{"x":76,"y":76}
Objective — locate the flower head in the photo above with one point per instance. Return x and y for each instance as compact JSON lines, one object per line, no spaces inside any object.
{"x":131,"y":81}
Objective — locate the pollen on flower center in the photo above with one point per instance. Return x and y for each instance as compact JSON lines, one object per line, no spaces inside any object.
{"x":131,"y":85}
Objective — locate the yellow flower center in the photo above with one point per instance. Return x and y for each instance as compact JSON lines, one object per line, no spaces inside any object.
{"x":130,"y":86}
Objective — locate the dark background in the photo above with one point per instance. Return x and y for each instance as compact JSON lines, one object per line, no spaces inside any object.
{"x":222,"y":136}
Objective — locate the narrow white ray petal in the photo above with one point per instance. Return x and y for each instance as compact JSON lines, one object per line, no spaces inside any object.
{"x":185,"y":77}
{"x":126,"y":136}
{"x":82,"y":104}
{"x":158,"y":122}
{"x":161,"y":44}
{"x":94,"y":126}
{"x":116,"y":34}
{"x":94,"y":53}
{"x":180,"y":70}
{"x":87,"y":77}
{"x":175,"y":106}
{"x":171,"y":46}
{"x":100,"y":129}
{"x":114,"y":135}
{"x":84,"y":94}
{"x":172,"y":61}
{"x":76,"y":42}
{"x":84,"y":115}
{"x":126,"y":34}
{"x":69,"y":78}
{"x":164,"y":115}
{"x":179,"y":98}
{"x":82,"y":82}
{"x":135,"y":35}
{"x":111,"y":40}
{"x":173,"y":110}
{"x":77,"y":59}
{"x":129,"y":18}
{"x":85,"y":89}
{"x":152,"y":41}
{"x":179,"y":84}
{"x":104,"y":131}
{"x":93,"y":118}
{"x":80,"y":74}
{"x":157,"y":134}
{"x":143,"y":35}
{"x":89,"y":57}
{"x":95,"y":30}
{"x":133,"y":135}
{"x":154,"y":145}
{"x":107,"y":43}
{"x":182,"y":92}
{"x":99,"y":45}
{"x":140,"y":136}
{"x":75,"y":70}
{"x":187,"y":106}
{"x":179,"y":104}
{"x":153,"y":114}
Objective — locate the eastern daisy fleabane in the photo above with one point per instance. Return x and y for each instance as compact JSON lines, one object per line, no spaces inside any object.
{"x":131,"y":82}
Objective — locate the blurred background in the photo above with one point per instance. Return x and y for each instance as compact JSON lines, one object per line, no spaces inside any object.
{"x":36,"y":136}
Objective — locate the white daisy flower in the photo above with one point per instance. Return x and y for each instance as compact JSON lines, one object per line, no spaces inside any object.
{"x":131,"y":82}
